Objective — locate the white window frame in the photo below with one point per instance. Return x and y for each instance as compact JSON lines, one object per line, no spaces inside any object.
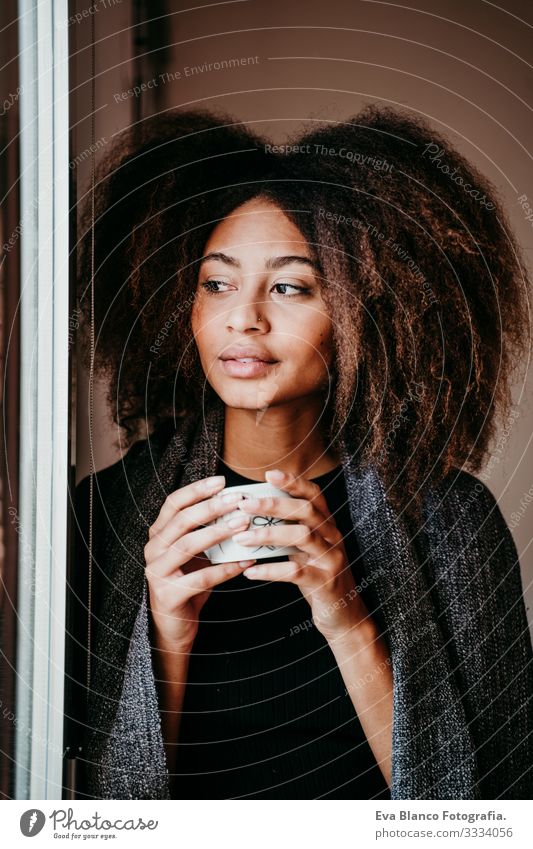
{"x":44,"y":410}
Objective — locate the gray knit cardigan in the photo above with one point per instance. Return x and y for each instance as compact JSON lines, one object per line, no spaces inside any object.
{"x":448,"y":600}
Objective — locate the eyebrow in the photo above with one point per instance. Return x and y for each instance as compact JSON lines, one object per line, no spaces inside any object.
{"x":273,"y":263}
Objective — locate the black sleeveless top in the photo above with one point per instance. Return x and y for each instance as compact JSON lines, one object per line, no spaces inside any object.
{"x":265,"y":713}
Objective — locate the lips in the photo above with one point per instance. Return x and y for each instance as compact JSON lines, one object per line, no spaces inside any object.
{"x":247,"y":354}
{"x":247,"y":359}
{"x":248,"y":368}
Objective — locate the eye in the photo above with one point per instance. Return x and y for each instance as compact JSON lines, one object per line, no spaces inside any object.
{"x":210,"y":285}
{"x":297,"y":290}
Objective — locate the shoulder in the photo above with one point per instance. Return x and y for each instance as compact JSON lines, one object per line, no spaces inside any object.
{"x":138,"y":460}
{"x":107,"y":481}
{"x":114,"y":493}
{"x":116,"y":487}
{"x":460,"y":496}
{"x":464,"y":519}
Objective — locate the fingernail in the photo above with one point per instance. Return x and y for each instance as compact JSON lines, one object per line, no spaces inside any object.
{"x":251,"y":572}
{"x":231,"y":497}
{"x":276,"y":474}
{"x":214,"y":483}
{"x":238,"y":522}
{"x":246,"y":536}
{"x":245,"y":563}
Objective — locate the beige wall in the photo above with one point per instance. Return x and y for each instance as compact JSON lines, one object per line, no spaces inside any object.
{"x":464,"y":66}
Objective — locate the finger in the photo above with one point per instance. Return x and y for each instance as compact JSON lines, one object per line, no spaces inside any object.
{"x":190,"y":545}
{"x":309,"y":579}
{"x":292,"y":509}
{"x":185,"y":496}
{"x":284,"y":535}
{"x":288,"y":571}
{"x":205,"y":578}
{"x":190,"y":518}
{"x":299,"y":487}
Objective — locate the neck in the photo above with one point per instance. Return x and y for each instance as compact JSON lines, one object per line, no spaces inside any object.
{"x":283,"y":437}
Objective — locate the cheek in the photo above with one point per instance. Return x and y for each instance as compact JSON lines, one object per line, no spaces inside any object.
{"x":200,"y":323}
{"x":199,"y":334}
{"x":317,"y":337}
{"x":196,"y":317}
{"x":325,"y":341}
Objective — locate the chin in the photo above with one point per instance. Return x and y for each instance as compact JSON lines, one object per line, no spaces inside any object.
{"x":247,"y":404}
{"x":248,"y":400}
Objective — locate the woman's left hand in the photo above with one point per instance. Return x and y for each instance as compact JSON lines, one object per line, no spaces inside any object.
{"x":320,"y":569}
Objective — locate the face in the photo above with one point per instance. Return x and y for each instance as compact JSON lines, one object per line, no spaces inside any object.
{"x":258,"y":263}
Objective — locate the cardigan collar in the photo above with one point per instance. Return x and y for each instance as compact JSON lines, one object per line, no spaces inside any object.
{"x":432,"y":749}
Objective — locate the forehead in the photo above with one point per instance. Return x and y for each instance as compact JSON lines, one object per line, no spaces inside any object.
{"x":259,"y":228}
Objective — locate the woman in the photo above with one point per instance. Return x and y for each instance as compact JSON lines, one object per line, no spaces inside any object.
{"x":383,"y":304}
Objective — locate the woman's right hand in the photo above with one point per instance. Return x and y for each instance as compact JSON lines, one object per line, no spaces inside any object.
{"x":179,"y":574}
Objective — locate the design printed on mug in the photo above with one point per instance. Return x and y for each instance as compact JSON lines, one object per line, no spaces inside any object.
{"x":261,"y":521}
{"x":265,"y":521}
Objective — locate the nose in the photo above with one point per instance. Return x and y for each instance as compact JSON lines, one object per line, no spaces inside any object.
{"x":244,"y":316}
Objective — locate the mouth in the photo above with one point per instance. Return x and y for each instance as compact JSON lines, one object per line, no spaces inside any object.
{"x":246,"y":366}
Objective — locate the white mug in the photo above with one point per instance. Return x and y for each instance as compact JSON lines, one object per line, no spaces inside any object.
{"x":226,"y":551}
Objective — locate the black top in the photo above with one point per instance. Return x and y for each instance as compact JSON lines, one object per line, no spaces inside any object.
{"x":265,"y":711}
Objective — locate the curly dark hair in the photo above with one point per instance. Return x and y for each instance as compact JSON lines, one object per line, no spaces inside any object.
{"x":423,"y":279}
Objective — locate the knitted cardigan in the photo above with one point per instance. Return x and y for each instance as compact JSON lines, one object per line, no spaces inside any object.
{"x":448,"y":601}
